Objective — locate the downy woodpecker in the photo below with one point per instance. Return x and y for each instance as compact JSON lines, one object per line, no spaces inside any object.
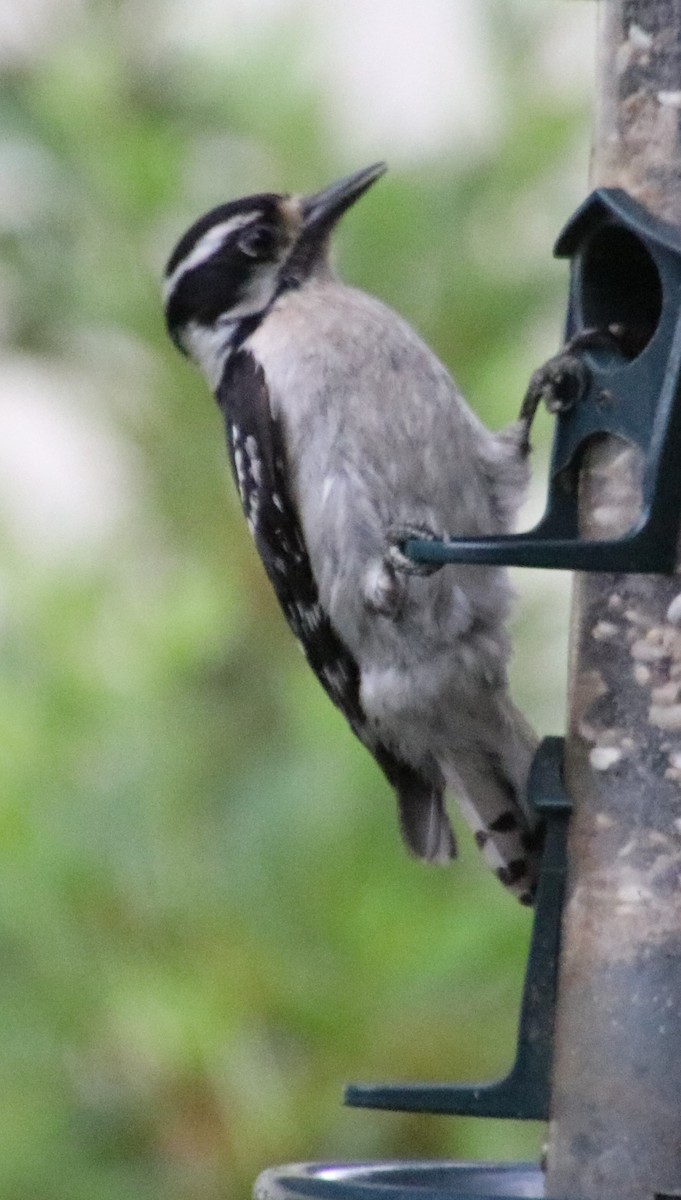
{"x":345,"y":434}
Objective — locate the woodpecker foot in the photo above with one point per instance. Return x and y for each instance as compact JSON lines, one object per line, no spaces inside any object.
{"x":398,"y":560}
{"x":562,"y":381}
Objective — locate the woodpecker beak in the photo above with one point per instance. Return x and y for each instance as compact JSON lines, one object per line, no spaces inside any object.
{"x":321,"y":211}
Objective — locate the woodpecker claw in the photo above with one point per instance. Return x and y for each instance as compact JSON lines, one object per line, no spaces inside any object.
{"x":562,"y":381}
{"x":396,"y":557}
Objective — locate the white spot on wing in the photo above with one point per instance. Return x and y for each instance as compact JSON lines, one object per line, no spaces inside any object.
{"x":254,"y":463}
{"x":240,"y":475}
{"x":253,"y":511}
{"x":336,"y":678}
{"x":311,"y":616}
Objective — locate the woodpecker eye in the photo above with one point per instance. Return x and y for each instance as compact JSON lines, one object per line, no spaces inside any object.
{"x":257,"y":242}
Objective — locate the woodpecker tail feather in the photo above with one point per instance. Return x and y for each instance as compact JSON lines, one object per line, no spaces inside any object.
{"x":491,"y":788}
{"x":424,"y":823}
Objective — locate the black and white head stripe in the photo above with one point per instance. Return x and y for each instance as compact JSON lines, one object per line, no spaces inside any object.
{"x":264,"y":205}
{"x":204,"y":248}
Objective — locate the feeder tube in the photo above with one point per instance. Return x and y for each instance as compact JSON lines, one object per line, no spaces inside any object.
{"x":615,"y":1130}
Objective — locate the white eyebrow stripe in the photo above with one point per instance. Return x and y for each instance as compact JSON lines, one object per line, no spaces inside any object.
{"x":205,"y":247}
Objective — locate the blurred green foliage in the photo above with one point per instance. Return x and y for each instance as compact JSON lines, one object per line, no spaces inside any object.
{"x":206,"y":918}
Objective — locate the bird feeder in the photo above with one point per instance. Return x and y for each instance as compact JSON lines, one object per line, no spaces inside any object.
{"x":600,"y":1024}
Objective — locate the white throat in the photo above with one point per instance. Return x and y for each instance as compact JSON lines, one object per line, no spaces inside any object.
{"x":210,"y":347}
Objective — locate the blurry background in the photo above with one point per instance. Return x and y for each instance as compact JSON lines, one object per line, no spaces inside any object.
{"x":207,"y":921}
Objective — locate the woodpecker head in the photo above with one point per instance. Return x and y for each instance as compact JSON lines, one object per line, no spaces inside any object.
{"x":233,"y":262}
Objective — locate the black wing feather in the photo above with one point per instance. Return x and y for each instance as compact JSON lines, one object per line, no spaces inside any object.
{"x":258,"y":457}
{"x":257,"y":453}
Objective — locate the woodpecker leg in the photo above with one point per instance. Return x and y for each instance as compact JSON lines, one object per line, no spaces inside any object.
{"x":395,"y":557}
{"x":383,"y":589}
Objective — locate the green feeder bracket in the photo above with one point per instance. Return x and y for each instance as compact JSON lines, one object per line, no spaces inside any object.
{"x":524,"y":1093}
{"x":625,"y":274}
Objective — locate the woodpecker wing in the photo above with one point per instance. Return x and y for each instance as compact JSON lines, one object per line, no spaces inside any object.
{"x":258,"y":457}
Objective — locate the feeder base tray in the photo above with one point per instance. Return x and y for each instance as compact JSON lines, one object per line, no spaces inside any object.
{"x":401,"y":1181}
